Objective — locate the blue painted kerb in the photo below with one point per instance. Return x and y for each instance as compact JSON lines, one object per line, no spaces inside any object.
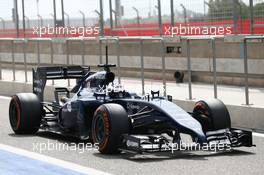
{"x":13,"y":164}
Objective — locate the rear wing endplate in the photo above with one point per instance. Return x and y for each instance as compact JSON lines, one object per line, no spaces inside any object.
{"x":42,"y":74}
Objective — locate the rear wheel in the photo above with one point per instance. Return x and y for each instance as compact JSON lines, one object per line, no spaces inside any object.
{"x":109,"y":123}
{"x":25,"y":113}
{"x":212,"y":114}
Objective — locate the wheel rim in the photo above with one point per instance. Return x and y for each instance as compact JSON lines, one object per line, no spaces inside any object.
{"x":14,"y":115}
{"x":99,"y":128}
{"x":201,"y":110}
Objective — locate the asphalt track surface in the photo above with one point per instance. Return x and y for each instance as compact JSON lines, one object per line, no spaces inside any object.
{"x":238,"y":161}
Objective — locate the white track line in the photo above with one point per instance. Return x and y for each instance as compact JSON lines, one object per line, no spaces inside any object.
{"x":53,"y":161}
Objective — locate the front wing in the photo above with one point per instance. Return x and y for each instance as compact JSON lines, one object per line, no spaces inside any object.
{"x":224,"y":139}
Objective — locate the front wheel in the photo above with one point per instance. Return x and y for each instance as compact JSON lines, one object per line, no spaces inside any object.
{"x":212,"y":114}
{"x":110,"y":122}
{"x":25,"y":113}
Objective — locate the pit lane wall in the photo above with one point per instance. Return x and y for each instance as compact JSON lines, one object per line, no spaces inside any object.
{"x":229,"y":57}
{"x":241,"y":116}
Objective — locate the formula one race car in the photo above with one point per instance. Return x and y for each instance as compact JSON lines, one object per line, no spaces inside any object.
{"x":117,"y":120}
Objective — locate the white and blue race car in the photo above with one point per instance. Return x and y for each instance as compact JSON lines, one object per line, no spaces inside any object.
{"x":105,"y":113}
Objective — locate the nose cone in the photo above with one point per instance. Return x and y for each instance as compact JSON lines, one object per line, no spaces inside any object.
{"x":181,"y":118}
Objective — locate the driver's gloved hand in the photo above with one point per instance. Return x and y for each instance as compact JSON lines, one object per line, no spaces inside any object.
{"x":64,"y":99}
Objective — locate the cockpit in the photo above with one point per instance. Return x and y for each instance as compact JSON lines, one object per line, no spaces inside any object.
{"x":100,"y":79}
{"x":102,"y":84}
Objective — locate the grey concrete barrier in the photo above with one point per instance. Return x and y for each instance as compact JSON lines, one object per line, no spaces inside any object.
{"x":9,"y":88}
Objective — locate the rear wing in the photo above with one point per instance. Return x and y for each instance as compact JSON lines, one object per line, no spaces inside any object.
{"x":42,"y":74}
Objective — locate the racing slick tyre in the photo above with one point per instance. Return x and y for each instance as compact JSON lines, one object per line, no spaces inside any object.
{"x":212,"y":114}
{"x":25,"y":113}
{"x":110,"y":121}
